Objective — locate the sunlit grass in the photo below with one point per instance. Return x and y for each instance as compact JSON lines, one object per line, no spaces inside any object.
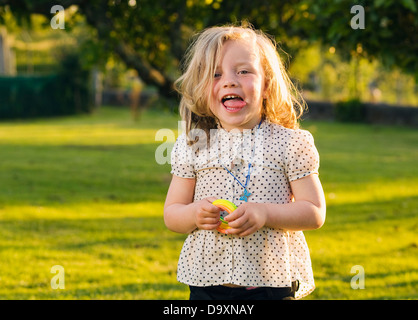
{"x":108,"y":250}
{"x":85,"y":192}
{"x":370,"y":180}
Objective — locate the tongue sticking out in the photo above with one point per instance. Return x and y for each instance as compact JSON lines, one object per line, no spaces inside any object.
{"x":234,"y":103}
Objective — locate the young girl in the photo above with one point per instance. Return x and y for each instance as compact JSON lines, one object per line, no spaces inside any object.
{"x":235,"y":90}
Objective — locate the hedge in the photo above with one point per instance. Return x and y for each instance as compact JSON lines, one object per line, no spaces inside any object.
{"x":66,"y":92}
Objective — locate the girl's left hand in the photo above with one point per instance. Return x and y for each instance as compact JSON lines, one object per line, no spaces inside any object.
{"x":246,"y":219}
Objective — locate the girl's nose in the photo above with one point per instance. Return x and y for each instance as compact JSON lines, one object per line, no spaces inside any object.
{"x":230,"y":84}
{"x":229,"y":81}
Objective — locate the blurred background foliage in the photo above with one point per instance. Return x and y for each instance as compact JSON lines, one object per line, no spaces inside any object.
{"x":144,"y":39}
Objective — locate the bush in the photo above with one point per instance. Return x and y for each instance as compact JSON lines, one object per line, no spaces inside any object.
{"x":26,"y":96}
{"x":66,"y":92}
{"x":350,"y":111}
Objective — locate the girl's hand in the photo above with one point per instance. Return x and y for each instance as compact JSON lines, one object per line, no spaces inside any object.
{"x":246,"y":219}
{"x":206,"y":214}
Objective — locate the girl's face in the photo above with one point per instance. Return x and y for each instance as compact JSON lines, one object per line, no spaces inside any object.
{"x":239,"y":87}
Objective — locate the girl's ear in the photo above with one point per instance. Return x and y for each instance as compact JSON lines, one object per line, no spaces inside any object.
{"x":266,"y":85}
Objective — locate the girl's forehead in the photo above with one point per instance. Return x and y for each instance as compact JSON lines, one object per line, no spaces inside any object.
{"x":241,"y":48}
{"x":248,"y":44}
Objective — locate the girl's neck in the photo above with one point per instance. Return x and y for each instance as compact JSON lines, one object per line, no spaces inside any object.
{"x":249,"y":126}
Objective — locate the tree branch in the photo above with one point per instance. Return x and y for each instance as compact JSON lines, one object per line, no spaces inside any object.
{"x":96,"y":17}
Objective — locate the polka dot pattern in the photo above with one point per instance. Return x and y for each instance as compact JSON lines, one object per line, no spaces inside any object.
{"x":269,"y":257}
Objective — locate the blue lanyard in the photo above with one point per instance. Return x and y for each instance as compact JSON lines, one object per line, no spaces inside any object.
{"x":246,"y":194}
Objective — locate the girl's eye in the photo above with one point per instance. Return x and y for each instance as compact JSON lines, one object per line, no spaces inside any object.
{"x":243,"y":72}
{"x":217,"y":75}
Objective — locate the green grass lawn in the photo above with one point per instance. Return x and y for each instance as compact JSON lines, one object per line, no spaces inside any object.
{"x":86,"y":193}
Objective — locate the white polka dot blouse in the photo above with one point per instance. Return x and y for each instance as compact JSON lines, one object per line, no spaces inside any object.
{"x":269,"y":257}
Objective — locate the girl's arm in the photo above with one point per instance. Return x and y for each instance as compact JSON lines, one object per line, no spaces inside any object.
{"x":305,"y":213}
{"x":183,"y":215}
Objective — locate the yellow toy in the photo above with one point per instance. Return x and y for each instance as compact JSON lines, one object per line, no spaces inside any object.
{"x":227,"y":206}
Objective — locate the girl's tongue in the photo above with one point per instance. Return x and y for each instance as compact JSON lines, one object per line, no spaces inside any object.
{"x":234,"y":103}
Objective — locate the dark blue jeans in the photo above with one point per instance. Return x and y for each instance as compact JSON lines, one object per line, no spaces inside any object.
{"x":227,"y":293}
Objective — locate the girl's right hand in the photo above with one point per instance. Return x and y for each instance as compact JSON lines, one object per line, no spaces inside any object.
{"x":206,"y":214}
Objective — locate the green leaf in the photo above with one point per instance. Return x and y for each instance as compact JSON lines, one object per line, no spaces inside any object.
{"x":409,"y":4}
{"x":379,"y":3}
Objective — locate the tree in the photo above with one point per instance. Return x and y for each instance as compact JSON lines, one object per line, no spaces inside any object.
{"x":151,"y":36}
{"x":390,"y":33}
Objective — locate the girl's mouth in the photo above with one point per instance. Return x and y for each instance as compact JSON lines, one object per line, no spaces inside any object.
{"x":233,"y":103}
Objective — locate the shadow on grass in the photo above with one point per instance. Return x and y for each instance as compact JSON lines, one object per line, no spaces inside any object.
{"x":85,"y":234}
{"x":127,"y":291}
{"x":43,"y":175}
{"x":147,"y":291}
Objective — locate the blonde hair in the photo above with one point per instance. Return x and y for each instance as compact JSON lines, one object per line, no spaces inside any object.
{"x":284,"y":105}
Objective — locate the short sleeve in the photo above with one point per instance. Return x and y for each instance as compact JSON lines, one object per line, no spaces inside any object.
{"x":181,"y":160}
{"x":301,"y":156}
